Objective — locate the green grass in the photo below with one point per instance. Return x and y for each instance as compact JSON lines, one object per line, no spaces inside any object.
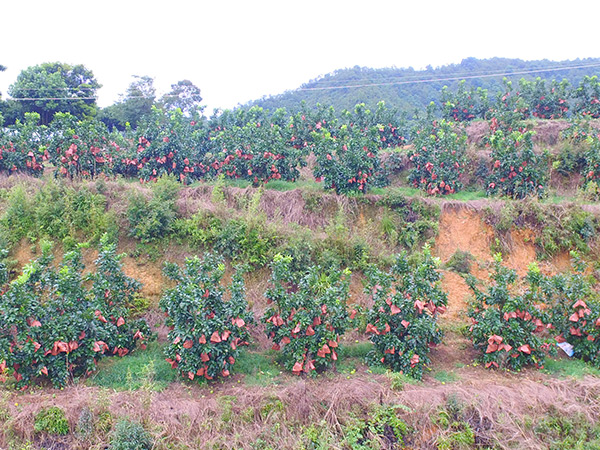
{"x":258,"y":368}
{"x":445,"y":377}
{"x":400,"y":190}
{"x":143,"y":368}
{"x":352,"y":356}
{"x":574,"y":368}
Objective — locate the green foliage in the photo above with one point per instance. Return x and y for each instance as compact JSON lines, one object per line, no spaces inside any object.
{"x":465,"y":104}
{"x":562,"y":431}
{"x":51,"y":420}
{"x":143,"y":370}
{"x":460,"y":261}
{"x":546,"y":102}
{"x":517,"y":171}
{"x":56,"y":211}
{"x":53,"y":326}
{"x":130,"y":435}
{"x":408,"y":223}
{"x":307,"y":315}
{"x":505,"y":324}
{"x":403,"y":320}
{"x":587,"y":97}
{"x":152,"y":219}
{"x":383,"y":429}
{"x":55,"y":81}
{"x":205,"y":328}
{"x":85,"y":424}
{"x":438,"y":157}
{"x":347,"y":158}
{"x":573,"y":309}
{"x":457,"y":432}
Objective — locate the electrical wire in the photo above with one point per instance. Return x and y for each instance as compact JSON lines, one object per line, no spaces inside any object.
{"x":454,"y":78}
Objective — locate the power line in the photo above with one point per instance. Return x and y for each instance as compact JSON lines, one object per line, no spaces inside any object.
{"x":404,"y":77}
{"x":454,"y":78}
{"x":34,"y":99}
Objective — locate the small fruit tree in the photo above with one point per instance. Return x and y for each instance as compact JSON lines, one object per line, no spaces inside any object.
{"x":403,"y":321}
{"x":438,"y":157}
{"x":112,"y":295}
{"x":52,"y":326}
{"x":574,"y":310}
{"x":168,"y":143}
{"x":592,"y":155}
{"x":546,"y":102}
{"x":347,"y":159}
{"x":465,"y":104}
{"x":21,"y":147}
{"x":80,"y":148}
{"x":506,"y":324}
{"x":258,"y":150}
{"x":206,"y":328}
{"x":516,"y":170}
{"x":307,"y":315}
{"x":587,"y":97}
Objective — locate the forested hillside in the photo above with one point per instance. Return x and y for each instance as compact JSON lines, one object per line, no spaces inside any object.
{"x":404,"y":89}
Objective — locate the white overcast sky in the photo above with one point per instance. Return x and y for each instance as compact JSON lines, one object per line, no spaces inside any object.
{"x":236,"y":51}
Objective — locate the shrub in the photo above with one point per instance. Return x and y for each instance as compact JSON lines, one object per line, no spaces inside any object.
{"x":438,"y":157}
{"x":205,"y":328}
{"x":80,"y":149}
{"x":574,"y":310}
{"x":347,"y":159}
{"x":587,"y":97}
{"x":505,"y":325}
{"x":256,"y":148}
{"x":403,"y":321}
{"x":52,"y":326}
{"x":546,"y":102}
{"x":153,"y":219}
{"x":22,"y":149}
{"x":460,"y":261}
{"x":51,"y":420}
{"x":516,"y":170}
{"x":130,"y":435}
{"x":306,"y":315}
{"x":464,"y":104}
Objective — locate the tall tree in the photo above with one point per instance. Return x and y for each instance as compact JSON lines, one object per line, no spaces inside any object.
{"x":183,"y":95}
{"x":137,"y":101}
{"x":59,"y":87}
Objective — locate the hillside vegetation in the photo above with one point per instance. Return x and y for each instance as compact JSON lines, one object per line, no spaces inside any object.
{"x":399,"y":88}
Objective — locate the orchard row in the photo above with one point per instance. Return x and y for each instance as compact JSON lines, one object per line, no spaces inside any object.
{"x":353,"y":151}
{"x":56,"y":323}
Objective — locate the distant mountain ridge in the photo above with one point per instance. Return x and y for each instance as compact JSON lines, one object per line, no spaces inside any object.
{"x":406,"y":90}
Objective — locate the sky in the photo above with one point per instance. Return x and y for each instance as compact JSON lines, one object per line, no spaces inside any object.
{"x":236,"y":51}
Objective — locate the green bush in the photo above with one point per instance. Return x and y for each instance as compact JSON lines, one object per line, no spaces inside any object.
{"x":130,"y":435}
{"x":516,"y":170}
{"x":506,"y":326}
{"x":403,"y":321}
{"x":307,"y":315}
{"x":153,"y":218}
{"x":51,"y":420}
{"x":52,"y":325}
{"x":438,"y":158}
{"x":460,"y":261}
{"x":206,"y":329}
